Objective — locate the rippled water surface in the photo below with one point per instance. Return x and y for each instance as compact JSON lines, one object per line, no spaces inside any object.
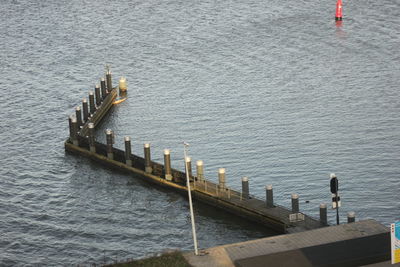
{"x":272,"y":90}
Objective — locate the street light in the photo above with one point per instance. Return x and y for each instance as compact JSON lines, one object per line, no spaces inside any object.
{"x":185,"y":145}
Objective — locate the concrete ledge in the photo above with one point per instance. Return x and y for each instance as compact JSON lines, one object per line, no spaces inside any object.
{"x":353,"y":244}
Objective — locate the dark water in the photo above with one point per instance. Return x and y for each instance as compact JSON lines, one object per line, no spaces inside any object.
{"x":268,"y":89}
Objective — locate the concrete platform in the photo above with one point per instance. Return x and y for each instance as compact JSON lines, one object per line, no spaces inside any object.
{"x":355,"y":244}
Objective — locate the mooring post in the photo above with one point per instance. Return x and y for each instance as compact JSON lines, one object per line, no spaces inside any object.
{"x":295,"y":203}
{"x":323,"y":217}
{"x":103,"y":88}
{"x":78,"y":114}
{"x":85,"y":110}
{"x":74,"y":131}
{"x":189,"y":166}
{"x":122,"y":85}
{"x":200,"y":170}
{"x":108,"y":80}
{"x":221,"y":178}
{"x":147,"y":159}
{"x":97,"y":93}
{"x":128,"y":152}
{"x":167,"y":165}
{"x":70,"y":124}
{"x":92,"y":138}
{"x":245,"y":188}
{"x":351,"y":217}
{"x":269,"y":196}
{"x":110,"y":141}
{"x":92,"y":107}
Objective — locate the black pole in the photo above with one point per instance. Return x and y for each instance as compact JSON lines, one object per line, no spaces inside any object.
{"x":337,"y":209}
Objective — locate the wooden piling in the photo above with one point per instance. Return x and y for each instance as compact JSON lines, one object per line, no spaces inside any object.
{"x":167,"y":165}
{"x":147,"y":158}
{"x":128,"y":153}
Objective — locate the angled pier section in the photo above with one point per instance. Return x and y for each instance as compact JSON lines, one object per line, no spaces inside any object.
{"x":82,"y":141}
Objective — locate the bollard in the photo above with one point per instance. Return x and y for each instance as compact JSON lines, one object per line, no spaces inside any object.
{"x":128,"y":152}
{"x":295,"y":203}
{"x":110,"y":141}
{"x":85,"y":110}
{"x":167,"y":165}
{"x":108,"y":81}
{"x":74,"y":131}
{"x":200,"y":170}
{"x":147,"y":159}
{"x":323,"y":217}
{"x":221,"y":178}
{"x":269,"y":196}
{"x":92,"y":138}
{"x":92,"y":107}
{"x":351,"y":217}
{"x":122,"y":85}
{"x":97,"y":93}
{"x":78,"y":114}
{"x":103,"y":88}
{"x":245,"y":188}
{"x":189,"y":166}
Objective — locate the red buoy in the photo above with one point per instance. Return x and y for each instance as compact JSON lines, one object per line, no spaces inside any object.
{"x":338,"y":15}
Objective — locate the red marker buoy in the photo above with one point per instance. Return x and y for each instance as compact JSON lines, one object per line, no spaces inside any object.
{"x":338,"y":15}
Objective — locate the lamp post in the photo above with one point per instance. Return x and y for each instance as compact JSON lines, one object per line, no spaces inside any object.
{"x":196,"y":252}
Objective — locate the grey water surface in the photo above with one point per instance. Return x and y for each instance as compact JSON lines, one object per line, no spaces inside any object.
{"x":273,"y":90}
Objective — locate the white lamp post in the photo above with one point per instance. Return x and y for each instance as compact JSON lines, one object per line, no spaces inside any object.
{"x":196,"y":252}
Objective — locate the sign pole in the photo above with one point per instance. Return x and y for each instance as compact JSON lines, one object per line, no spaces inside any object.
{"x":335,"y":191}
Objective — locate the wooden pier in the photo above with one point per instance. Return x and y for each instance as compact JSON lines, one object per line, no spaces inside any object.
{"x":82,"y":142}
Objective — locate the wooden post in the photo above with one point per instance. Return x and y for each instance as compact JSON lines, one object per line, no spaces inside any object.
{"x":295,"y":203}
{"x":147,"y":159}
{"x":110,"y":141}
{"x":269,"y":196}
{"x":128,"y":152}
{"x":167,"y":165}
{"x":92,"y":138}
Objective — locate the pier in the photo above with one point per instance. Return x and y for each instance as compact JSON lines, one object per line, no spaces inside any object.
{"x":265,"y":212}
{"x":307,"y":241}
